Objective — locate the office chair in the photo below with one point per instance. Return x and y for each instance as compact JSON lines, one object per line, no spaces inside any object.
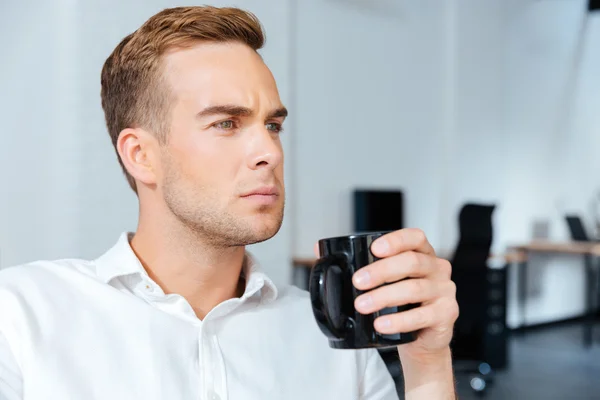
{"x":470,"y":273}
{"x":579,"y":233}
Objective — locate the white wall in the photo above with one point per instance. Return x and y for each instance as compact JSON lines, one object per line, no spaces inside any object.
{"x":370,"y":107}
{"x":38,"y":217}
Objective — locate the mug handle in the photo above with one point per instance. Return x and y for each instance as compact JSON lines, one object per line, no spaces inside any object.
{"x":318,"y":294}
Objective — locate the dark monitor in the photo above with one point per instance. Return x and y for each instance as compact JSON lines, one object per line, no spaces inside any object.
{"x":577,"y":229}
{"x":378,"y":210}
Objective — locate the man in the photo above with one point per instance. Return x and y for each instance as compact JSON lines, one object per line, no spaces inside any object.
{"x":179,"y":310}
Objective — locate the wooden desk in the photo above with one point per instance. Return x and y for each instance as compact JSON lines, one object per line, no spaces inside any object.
{"x":590,"y":252}
{"x":541,"y":246}
{"x":304,"y":262}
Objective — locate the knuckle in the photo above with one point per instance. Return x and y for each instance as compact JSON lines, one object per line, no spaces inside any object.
{"x":420,"y":317}
{"x":446,"y":267}
{"x":396,"y":293}
{"x":414,"y":260}
{"x":416,"y":287}
{"x":452,"y":289}
{"x":451,"y":309}
{"x":454,"y":312}
{"x":394,"y":239}
{"x":420,"y":235}
{"x":388,"y":268}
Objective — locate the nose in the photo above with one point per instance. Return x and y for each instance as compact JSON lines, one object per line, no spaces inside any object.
{"x":265,"y":150}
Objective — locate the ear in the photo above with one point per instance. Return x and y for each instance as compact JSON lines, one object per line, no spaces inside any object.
{"x":137,"y":149}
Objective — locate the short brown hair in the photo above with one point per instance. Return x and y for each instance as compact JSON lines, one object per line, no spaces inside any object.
{"x":133,"y":92}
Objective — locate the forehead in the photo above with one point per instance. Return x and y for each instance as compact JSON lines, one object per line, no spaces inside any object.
{"x":220,"y":73}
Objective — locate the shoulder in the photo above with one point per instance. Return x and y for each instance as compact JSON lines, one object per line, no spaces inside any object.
{"x":28,"y":280}
{"x":29,"y":293}
{"x":47,"y":267}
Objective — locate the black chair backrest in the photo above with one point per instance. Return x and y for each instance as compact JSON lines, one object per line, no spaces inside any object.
{"x":469,"y":273}
{"x":475,"y":236}
{"x":576,"y":228}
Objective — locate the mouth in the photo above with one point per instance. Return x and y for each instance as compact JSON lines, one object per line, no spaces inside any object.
{"x":267,"y":191}
{"x":263,"y":196}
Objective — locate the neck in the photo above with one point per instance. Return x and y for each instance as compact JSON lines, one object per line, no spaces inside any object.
{"x":182,"y":262}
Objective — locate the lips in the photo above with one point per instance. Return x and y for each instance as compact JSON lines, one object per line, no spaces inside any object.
{"x":262,"y":191}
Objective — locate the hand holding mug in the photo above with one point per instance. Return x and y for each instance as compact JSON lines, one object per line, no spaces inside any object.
{"x":399,"y":291}
{"x":384,"y":289}
{"x":407,"y":254}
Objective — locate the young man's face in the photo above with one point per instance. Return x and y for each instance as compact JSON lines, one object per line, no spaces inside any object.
{"x":221,"y":169}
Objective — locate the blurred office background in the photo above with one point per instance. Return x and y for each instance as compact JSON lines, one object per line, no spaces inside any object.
{"x":450,"y":102}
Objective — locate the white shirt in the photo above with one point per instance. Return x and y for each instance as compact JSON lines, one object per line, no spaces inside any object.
{"x":102,"y":329}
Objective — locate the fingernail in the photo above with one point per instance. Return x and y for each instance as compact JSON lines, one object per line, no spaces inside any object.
{"x":364,"y":303}
{"x":380,"y":246}
{"x":362,"y":278}
{"x":382,"y":323}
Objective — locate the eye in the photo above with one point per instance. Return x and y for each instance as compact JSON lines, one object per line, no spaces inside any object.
{"x":274,"y":127}
{"x":225,"y":125}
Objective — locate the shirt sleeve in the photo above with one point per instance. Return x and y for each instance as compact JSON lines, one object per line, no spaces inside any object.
{"x":11,"y":381}
{"x":377,"y":382}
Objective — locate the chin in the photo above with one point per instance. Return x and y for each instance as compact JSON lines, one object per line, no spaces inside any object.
{"x":264,"y":228}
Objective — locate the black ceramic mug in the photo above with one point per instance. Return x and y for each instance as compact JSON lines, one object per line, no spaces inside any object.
{"x":332,"y":295}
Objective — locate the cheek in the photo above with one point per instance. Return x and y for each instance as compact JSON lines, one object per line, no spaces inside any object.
{"x":213,"y":161}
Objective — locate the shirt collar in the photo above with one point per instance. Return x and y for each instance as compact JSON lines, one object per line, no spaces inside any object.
{"x":121,"y":260}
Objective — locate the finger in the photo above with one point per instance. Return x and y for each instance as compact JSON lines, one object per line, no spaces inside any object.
{"x":441,"y":314}
{"x":409,"y":291}
{"x":402,"y":240}
{"x":316,"y":249}
{"x":409,"y":264}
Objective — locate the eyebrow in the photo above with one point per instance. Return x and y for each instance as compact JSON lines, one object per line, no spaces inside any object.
{"x":278,"y":113}
{"x":238,"y":111}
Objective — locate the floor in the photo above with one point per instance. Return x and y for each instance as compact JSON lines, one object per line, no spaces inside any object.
{"x":547,"y":363}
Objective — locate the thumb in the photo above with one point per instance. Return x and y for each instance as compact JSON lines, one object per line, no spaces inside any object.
{"x":316,"y":249}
